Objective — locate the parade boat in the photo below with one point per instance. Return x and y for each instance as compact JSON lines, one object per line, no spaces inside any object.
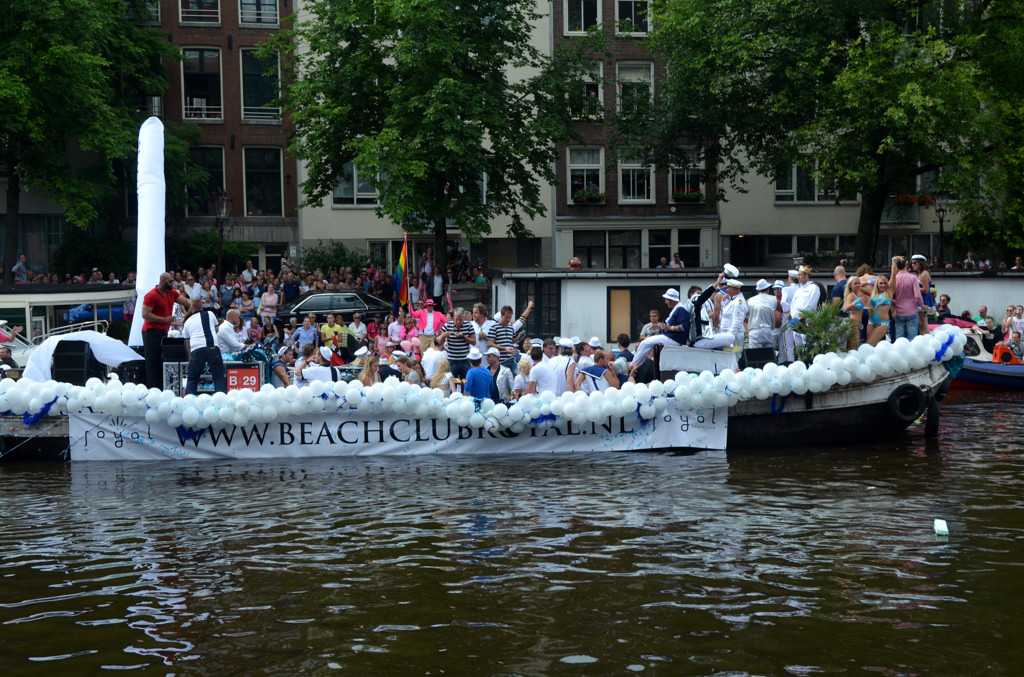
{"x":982,"y":370}
{"x":873,"y":392}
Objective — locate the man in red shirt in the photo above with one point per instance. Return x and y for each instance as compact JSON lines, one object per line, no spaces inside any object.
{"x":158,"y":313}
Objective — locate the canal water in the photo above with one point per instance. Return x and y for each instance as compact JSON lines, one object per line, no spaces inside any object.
{"x":774,"y":563}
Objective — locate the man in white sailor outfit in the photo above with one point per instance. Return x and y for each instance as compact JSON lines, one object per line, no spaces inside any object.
{"x":761,"y":322}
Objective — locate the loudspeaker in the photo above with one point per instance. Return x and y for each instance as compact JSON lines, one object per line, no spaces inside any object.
{"x":173,"y":350}
{"x":73,"y":363}
{"x":756,"y":357}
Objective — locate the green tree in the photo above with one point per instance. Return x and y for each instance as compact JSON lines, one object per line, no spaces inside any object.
{"x":869,"y":94}
{"x":72,"y":76}
{"x":428,"y":98}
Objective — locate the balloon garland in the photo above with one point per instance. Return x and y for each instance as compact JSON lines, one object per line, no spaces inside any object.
{"x":34,"y":400}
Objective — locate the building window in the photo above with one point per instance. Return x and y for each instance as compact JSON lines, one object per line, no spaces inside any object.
{"x":589,"y":246}
{"x":56,"y":227}
{"x":635,"y":86}
{"x":687,"y":181}
{"x":659,"y":246}
{"x":592,"y":106}
{"x":636,"y":182}
{"x":210,"y":158}
{"x":688,"y":246}
{"x":546,"y":318}
{"x":624,"y":249}
{"x":586,"y":171}
{"x":200,"y":11}
{"x":258,"y":12}
{"x":581,"y":15}
{"x":258,"y":88}
{"x":354,"y":188}
{"x":630,"y":17}
{"x":201,"y":83}
{"x":263,"y":182}
{"x":798,"y":183}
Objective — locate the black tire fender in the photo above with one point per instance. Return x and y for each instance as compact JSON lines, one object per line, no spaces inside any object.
{"x":907,"y":402}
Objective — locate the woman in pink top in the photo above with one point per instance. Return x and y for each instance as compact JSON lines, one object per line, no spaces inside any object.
{"x":269,"y":303}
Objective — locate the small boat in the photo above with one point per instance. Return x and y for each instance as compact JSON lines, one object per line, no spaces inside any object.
{"x":982,"y":370}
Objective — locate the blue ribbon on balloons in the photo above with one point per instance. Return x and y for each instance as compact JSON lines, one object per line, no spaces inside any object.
{"x":545,"y":417}
{"x":945,"y":346}
{"x":187,"y":434}
{"x":777,"y":408}
{"x":32,"y":419}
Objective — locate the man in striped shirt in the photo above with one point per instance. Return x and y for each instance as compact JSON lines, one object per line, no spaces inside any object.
{"x":458,"y":336}
{"x":503,"y":335}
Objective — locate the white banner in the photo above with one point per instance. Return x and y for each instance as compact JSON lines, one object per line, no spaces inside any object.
{"x":96,"y":437}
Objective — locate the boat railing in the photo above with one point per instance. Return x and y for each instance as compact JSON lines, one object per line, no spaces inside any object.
{"x":100,"y":326}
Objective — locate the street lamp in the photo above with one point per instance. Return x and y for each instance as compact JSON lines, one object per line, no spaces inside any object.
{"x":223,"y":205}
{"x":940,"y":213}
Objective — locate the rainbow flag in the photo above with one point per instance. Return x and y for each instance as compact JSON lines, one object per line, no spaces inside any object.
{"x":400,"y":279}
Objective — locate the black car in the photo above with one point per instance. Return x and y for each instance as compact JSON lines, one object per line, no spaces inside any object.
{"x":343,"y":304}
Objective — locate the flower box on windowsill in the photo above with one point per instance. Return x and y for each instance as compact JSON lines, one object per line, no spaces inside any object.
{"x":688,"y":196}
{"x":591,"y":197}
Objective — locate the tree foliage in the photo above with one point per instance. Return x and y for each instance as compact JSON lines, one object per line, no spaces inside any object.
{"x":869,"y":94}
{"x":426,"y":98}
{"x":72,"y":76}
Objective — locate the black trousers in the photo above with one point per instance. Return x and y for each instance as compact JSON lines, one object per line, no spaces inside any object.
{"x":152,"y":348}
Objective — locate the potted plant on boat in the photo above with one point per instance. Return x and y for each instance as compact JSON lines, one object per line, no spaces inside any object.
{"x":589,"y":196}
{"x":825,"y":330}
{"x":688,"y":195}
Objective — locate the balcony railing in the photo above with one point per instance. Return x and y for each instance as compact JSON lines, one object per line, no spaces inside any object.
{"x":265,"y":15}
{"x":261,"y":113}
{"x":198,"y":109}
{"x":198,"y":11}
{"x":900,"y":213}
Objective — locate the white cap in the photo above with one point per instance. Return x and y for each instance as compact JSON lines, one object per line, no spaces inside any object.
{"x":474,"y":354}
{"x":735,"y":284}
{"x":325,"y":352}
{"x":362,"y":351}
{"x":762,"y":284}
{"x":576,"y":340}
{"x":778,"y":284}
{"x":537,"y":343}
{"x":918,"y":257}
{"x":565,"y":342}
{"x":492,"y":351}
{"x":671,"y":295}
{"x":731,"y":270}
{"x":282,"y":350}
{"x":594,"y":342}
{"x":398,"y":353}
{"x":792,"y":273}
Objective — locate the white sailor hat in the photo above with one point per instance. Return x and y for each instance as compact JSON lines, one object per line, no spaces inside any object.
{"x":576,"y":340}
{"x":537,"y":343}
{"x":282,"y":350}
{"x":919,"y":257}
{"x":594,"y":342}
{"x":362,"y":351}
{"x":762,"y":284}
{"x":778,"y":284}
{"x":730,"y":270}
{"x":492,"y":351}
{"x":565,"y":342}
{"x":671,"y":294}
{"x":792,"y":273}
{"x":325,"y":352}
{"x":736,"y":284}
{"x":474,"y":354}
{"x":398,"y":353}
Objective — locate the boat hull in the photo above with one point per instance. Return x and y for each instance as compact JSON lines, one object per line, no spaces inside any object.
{"x":857,"y":412}
{"x":980,"y":374}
